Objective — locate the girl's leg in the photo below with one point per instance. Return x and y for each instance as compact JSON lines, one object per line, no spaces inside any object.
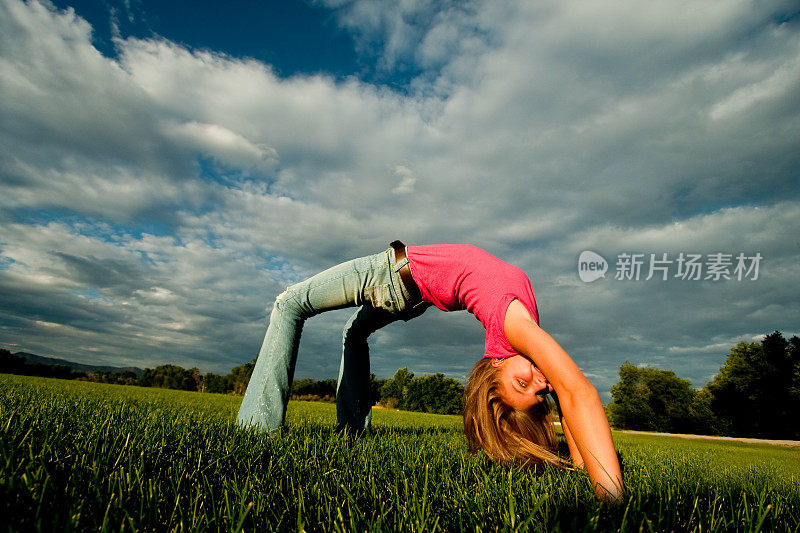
{"x":353,"y":398}
{"x":264,"y":402}
{"x":367,"y":280}
{"x":353,"y":401}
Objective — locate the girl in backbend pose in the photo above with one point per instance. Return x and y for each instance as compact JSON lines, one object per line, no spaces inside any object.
{"x":506,"y":413}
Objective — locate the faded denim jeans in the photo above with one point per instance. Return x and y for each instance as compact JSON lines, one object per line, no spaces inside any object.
{"x":370,"y":283}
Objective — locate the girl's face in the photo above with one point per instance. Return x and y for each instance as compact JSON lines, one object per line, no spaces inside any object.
{"x":522,"y":384}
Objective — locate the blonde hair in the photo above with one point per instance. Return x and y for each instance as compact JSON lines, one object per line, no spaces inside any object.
{"x":504,"y":433}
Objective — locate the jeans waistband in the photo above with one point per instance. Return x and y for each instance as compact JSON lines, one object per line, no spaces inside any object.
{"x":401,"y":268}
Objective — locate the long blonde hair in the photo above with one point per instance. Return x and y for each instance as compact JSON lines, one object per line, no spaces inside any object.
{"x":506,"y":434}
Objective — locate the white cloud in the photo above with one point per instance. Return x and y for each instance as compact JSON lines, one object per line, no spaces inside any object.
{"x":407,"y":180}
{"x":782,"y":83}
{"x":223,"y":144}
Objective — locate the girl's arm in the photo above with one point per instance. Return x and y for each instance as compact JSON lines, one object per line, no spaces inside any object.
{"x":577,"y":459}
{"x":574,"y":452}
{"x":579,"y":400}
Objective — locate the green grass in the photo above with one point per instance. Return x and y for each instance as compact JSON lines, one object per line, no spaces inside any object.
{"x":83,"y":456}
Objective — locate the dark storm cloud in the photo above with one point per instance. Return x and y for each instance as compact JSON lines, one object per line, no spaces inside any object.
{"x":101,"y":273}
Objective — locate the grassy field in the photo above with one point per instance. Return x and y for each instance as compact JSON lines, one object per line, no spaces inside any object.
{"x":83,"y":456}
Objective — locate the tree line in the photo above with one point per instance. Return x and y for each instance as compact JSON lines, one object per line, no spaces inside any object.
{"x":755,"y":394}
{"x":434,"y":393}
{"x":164,"y":376}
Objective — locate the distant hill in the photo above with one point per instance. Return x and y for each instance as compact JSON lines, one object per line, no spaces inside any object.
{"x":78,"y":367}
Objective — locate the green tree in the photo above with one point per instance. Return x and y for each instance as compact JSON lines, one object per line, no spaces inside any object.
{"x":657,"y":400}
{"x":216,"y":383}
{"x":240,"y":377}
{"x":393,"y":392}
{"x":10,"y":363}
{"x":196,"y":378}
{"x":15,"y":364}
{"x":167,"y":377}
{"x":325,"y":388}
{"x":630,"y":408}
{"x":757,"y":391}
{"x":434,"y":394}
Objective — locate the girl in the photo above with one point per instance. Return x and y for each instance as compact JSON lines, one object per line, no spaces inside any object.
{"x":506,"y":413}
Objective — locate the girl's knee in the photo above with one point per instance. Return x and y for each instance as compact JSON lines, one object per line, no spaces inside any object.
{"x":351,"y":333}
{"x":287,"y":300}
{"x":356,"y":330}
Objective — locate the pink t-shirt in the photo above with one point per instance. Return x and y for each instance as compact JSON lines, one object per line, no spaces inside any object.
{"x":461,"y":276}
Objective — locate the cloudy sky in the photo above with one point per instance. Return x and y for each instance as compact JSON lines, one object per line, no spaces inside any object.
{"x":166,"y":171}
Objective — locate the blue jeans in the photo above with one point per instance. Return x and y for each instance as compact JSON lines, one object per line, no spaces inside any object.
{"x":370,"y":283}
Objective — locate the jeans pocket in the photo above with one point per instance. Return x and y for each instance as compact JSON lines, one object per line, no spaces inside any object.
{"x":380,"y":297}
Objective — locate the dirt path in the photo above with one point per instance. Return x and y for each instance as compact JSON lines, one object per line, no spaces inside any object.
{"x":713,"y":437}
